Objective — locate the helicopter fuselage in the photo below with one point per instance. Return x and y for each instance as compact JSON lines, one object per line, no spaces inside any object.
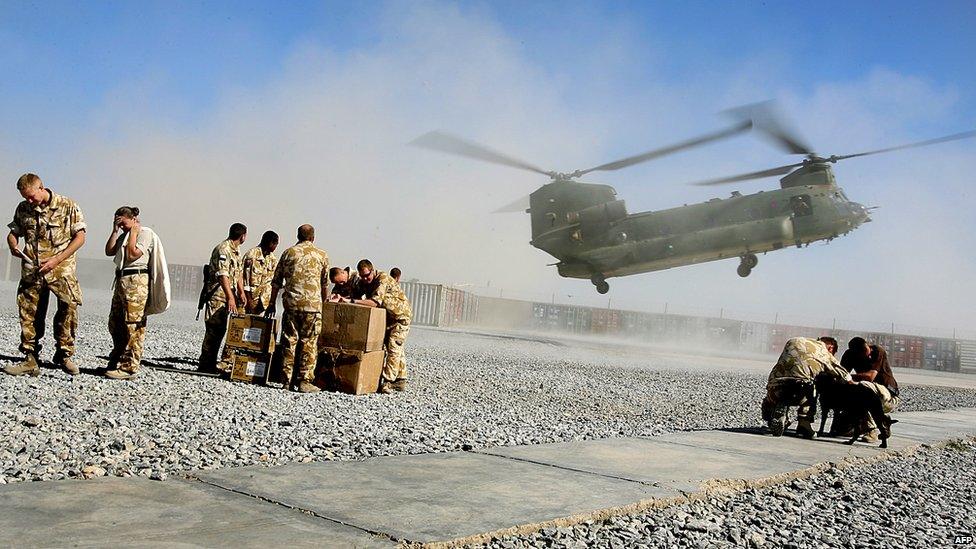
{"x":603,"y":241}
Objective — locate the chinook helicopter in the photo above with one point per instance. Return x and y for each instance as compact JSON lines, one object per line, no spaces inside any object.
{"x":590,"y":232}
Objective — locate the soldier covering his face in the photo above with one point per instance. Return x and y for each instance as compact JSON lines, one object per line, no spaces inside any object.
{"x":53,"y":229}
{"x":790,"y":383}
{"x":130,"y":244}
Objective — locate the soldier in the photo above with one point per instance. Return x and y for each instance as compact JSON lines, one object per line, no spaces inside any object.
{"x":343,"y":285}
{"x":870,"y":364}
{"x":53,"y":229}
{"x":259,"y":266}
{"x":303,"y":274}
{"x":130,"y":244}
{"x":791,"y":384}
{"x":224,"y":289}
{"x":381,"y":290}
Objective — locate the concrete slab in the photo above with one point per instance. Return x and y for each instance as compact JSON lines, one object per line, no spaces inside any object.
{"x":792,"y":449}
{"x":654,"y":460}
{"x":435,"y":497}
{"x":126,"y":512}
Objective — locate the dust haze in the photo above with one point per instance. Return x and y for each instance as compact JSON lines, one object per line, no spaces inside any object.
{"x":324,"y":142}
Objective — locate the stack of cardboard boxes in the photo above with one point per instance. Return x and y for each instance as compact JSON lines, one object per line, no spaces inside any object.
{"x":251,"y":342}
{"x":351,"y":352}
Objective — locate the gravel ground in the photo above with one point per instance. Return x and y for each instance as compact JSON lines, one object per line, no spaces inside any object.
{"x":466,"y":391}
{"x":922,"y":500}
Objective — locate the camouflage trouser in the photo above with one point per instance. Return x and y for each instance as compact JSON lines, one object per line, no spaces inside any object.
{"x":255,"y":307}
{"x":127,"y":321}
{"x":786,"y":392}
{"x":216,"y":324}
{"x":299,"y":336}
{"x":396,"y":362}
{"x":888,"y":401}
{"x":33,"y":296}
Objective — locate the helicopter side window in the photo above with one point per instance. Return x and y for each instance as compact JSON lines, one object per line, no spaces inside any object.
{"x":801,"y":205}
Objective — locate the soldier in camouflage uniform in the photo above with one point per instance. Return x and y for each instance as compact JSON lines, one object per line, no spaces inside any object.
{"x":343,"y":285}
{"x":259,"y":266}
{"x":53,"y":229}
{"x":130,"y":245}
{"x":381,"y":290}
{"x":226,"y":291}
{"x":303,"y":275}
{"x":791,"y":384}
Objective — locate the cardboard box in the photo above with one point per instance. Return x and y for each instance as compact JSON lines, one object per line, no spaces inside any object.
{"x":252,"y":333}
{"x":352,"y":327}
{"x":251,"y":367}
{"x":354,"y":373}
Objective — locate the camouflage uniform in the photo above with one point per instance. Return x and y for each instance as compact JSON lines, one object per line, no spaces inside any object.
{"x":127,"y":318}
{"x":224,"y":261}
{"x":348,"y":288}
{"x":301,"y":273}
{"x":258,"y":270}
{"x":386,"y":292}
{"x":791,"y":382}
{"x":47,"y":231}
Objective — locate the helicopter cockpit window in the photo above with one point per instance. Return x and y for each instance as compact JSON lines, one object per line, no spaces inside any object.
{"x":801,"y":205}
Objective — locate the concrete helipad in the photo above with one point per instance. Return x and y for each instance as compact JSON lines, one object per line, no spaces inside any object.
{"x":428,"y":498}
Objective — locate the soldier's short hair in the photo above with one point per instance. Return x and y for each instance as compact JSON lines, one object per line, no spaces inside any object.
{"x":27,"y":181}
{"x":395,"y":272}
{"x":127,"y":211}
{"x":829,"y":341}
{"x":857,"y":343}
{"x":306,"y":233}
{"x":333,"y":271}
{"x":237,"y":230}
{"x":364,"y":264}
{"x":269,"y":237}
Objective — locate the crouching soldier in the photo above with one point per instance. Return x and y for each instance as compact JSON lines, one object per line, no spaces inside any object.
{"x":381,"y":290}
{"x":791,"y":383}
{"x":344,"y":285}
{"x":871,"y":369}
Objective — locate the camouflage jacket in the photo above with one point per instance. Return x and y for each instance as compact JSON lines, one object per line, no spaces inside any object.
{"x":257,"y":271}
{"x":225,"y":260}
{"x":302,"y":273}
{"x":805,"y":358}
{"x":386,"y":292}
{"x":47,"y":231}
{"x":349,"y":288}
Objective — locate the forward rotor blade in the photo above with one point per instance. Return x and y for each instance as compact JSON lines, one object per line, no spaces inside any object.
{"x":953,"y":137}
{"x":765,"y":118}
{"x":782,"y":170}
{"x":450,"y":144}
{"x":519,"y":206}
{"x":657,"y":153}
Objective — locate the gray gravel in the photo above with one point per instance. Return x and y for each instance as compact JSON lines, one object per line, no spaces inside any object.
{"x":466,"y":392}
{"x":922,"y":500}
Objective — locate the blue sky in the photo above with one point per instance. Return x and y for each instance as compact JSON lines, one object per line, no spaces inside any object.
{"x":113,"y":101}
{"x":73,"y":53}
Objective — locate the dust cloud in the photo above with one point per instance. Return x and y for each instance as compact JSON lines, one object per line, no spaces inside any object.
{"x":324,"y":142}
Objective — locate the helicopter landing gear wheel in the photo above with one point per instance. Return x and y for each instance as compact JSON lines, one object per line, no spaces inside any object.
{"x":748,"y":262}
{"x":601,"y":283}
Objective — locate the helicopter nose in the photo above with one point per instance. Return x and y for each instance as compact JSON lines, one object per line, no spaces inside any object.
{"x":861,"y":212}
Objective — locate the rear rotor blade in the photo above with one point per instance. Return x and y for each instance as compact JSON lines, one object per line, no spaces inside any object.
{"x":782,"y":170}
{"x":450,"y":144}
{"x":519,"y":206}
{"x":657,"y":153}
{"x":765,"y":118}
{"x":953,"y":137}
